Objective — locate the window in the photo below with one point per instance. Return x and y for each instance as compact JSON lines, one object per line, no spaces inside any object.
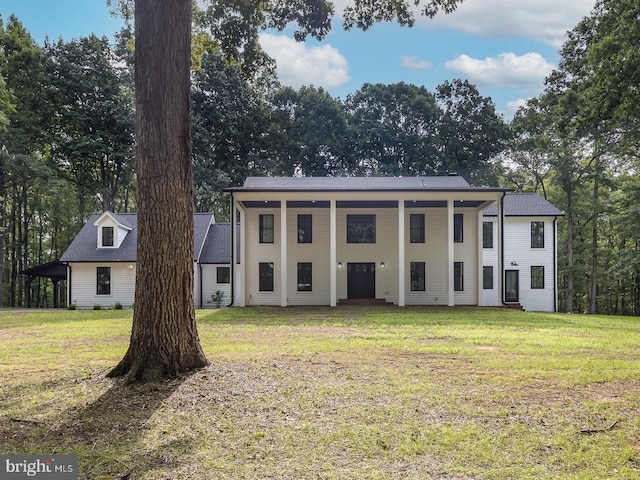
{"x":416,"y":227}
{"x":487,"y":278}
{"x":417,"y":276}
{"x":304,"y":277}
{"x":361,"y":229}
{"x":266,"y":228}
{"x":104,"y":281}
{"x":107,"y":236}
{"x":537,"y":234}
{"x":265,"y":274}
{"x":458,"y":276}
{"x":458,"y":236}
{"x":305,"y":229}
{"x":223,"y":275}
{"x":537,"y":277}
{"x":487,"y":235}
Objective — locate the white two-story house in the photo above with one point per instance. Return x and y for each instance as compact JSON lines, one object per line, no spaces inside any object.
{"x":322,"y":241}
{"x":407,"y":241}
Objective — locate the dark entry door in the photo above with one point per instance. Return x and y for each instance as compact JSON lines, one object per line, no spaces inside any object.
{"x":361,"y":280}
{"x":512,"y":286}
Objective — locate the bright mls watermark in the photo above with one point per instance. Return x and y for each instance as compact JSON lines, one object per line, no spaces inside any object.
{"x":46,"y":467}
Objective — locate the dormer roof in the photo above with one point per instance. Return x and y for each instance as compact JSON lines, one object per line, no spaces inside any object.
{"x":120,"y":220}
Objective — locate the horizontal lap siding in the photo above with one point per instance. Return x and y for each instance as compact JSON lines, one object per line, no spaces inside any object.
{"x":384,"y":250}
{"x":210,"y":286}
{"x":433,"y":252}
{"x":256,"y":253}
{"x":84,"y":285}
{"x":518,"y":249}
{"x":316,"y":253}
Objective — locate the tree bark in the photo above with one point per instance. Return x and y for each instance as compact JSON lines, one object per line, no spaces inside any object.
{"x":164,"y":338}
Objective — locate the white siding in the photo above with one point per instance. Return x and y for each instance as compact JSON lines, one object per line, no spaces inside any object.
{"x":467,"y":252}
{"x":210,"y":285}
{"x":84,"y":285}
{"x":490,"y":257}
{"x":518,"y":250}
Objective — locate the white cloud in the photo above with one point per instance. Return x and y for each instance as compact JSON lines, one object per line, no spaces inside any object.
{"x":545,"y":20}
{"x":299,"y":64}
{"x":414,"y":63}
{"x":513,"y":106}
{"x":508,"y":70}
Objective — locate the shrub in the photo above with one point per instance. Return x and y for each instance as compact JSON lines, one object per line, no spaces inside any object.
{"x":73,"y":306}
{"x":217,"y":298}
{"x":97,"y":306}
{"x":117,"y":306}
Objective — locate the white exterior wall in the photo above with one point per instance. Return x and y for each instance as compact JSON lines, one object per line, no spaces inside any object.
{"x":256,"y":253}
{"x":316,"y":253}
{"x":518,"y":249}
{"x":210,"y":285}
{"x":84,"y":281}
{"x":490,"y":257}
{"x":467,"y":252}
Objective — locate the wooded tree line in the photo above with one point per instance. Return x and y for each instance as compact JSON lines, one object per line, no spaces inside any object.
{"x":67,"y":128}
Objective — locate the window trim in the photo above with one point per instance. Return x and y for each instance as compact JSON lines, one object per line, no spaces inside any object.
{"x":307,"y":287}
{"x":541,"y":277}
{"x":420,"y":228}
{"x":487,"y":231}
{"x":264,"y":229}
{"x":228,"y":275}
{"x":353,"y":217}
{"x":422,"y":277}
{"x":458,"y":276}
{"x":458,"y":228}
{"x":103,"y":278}
{"x":262,"y":277}
{"x":539,"y":235}
{"x":303,"y":238}
{"x":112,"y":234}
{"x":486,"y":279}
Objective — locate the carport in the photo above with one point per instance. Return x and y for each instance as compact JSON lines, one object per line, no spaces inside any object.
{"x":55,"y":271}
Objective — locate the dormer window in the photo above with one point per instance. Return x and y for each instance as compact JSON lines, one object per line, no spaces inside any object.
{"x":107,"y":237}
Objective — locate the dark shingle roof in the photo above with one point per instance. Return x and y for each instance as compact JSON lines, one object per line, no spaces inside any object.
{"x":452,"y":182}
{"x":217,"y":248}
{"x":83,"y":248}
{"x":525,"y":205}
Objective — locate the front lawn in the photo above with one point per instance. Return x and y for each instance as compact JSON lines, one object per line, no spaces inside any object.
{"x":333,"y":393}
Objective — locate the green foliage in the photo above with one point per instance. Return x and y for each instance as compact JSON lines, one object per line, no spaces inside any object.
{"x":73,"y":306}
{"x":117,"y":306}
{"x":97,"y":306}
{"x":217,"y":297}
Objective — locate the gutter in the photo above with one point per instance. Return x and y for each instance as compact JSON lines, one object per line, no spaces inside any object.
{"x":502,"y":271}
{"x":200,"y":281}
{"x":69,"y":276}
{"x":232,"y":269}
{"x":555,"y":265}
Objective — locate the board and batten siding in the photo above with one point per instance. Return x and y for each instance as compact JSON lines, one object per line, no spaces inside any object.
{"x":84,"y":285}
{"x":467,"y":252}
{"x":490,"y":258}
{"x":518,"y":250}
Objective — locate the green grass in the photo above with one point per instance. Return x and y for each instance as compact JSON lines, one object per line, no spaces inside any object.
{"x":333,"y":393}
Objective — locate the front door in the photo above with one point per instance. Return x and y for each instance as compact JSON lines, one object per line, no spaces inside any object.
{"x":361,"y":280}
{"x":511,"y":286}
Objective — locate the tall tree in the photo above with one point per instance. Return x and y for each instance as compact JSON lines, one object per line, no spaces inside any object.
{"x":164,"y":339}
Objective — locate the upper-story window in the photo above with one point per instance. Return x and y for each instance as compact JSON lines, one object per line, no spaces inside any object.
{"x":107,"y":237}
{"x":361,"y":228}
{"x":416,"y":227}
{"x":305,"y":228}
{"x":537,"y":234}
{"x":458,"y":231}
{"x":487,"y":234}
{"x":266,"y":228}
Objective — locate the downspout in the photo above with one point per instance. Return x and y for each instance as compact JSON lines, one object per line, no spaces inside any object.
{"x":555,"y":266}
{"x":502,"y":272}
{"x":232,"y":264}
{"x":69,"y":286}
{"x":200,"y":280}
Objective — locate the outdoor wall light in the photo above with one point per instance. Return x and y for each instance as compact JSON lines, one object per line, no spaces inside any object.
{"x":514,"y":263}
{"x":339,"y":265}
{"x":382,"y":265}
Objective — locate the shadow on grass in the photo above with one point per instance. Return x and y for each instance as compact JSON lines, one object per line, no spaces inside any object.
{"x":109,"y":435}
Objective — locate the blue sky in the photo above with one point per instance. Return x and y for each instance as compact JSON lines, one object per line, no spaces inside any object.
{"x":505,"y":47}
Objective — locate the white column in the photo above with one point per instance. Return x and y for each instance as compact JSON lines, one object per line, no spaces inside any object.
{"x":333,"y":261}
{"x":500,"y":249}
{"x":283,"y":253}
{"x":401,"y":262}
{"x":480,"y":261}
{"x":450,"y":254}
{"x":240,"y":269}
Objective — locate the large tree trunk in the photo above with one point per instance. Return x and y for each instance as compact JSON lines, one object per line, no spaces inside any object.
{"x":164,"y":338}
